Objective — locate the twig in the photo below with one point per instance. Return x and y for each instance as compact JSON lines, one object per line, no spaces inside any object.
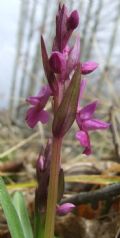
{"x":20,"y":144}
{"x":115,"y":133}
{"x":94,"y":196}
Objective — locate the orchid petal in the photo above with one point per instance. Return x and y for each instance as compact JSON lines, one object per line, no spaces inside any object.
{"x":45,"y":91}
{"x":88,"y":67}
{"x":84,"y":140}
{"x":41,"y":98}
{"x":34,"y":116}
{"x":82,"y":88}
{"x":36,"y":113}
{"x":88,"y":111}
{"x":44,"y":116}
{"x":87,"y":151}
{"x":95,"y":124}
{"x":33,"y":100}
{"x":66,"y":51}
{"x":65,"y":208}
{"x":74,"y":56}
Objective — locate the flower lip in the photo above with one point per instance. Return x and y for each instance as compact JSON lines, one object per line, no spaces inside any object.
{"x":83,"y":138}
{"x":34,"y":116}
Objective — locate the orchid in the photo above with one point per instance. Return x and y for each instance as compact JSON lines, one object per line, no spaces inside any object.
{"x":36,"y":113}
{"x":64,"y":71}
{"x":87,"y":122}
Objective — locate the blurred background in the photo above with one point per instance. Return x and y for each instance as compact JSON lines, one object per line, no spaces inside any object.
{"x":21,"y":74}
{"x":21,"y":71}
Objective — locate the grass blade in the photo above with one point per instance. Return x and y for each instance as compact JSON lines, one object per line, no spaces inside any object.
{"x":12,"y":218}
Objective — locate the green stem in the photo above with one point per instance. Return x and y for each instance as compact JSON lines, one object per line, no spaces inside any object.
{"x":52,"y":189}
{"x":38,"y":225}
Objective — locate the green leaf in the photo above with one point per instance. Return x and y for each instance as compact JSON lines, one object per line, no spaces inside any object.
{"x":12,"y":218}
{"x":20,"y":206}
{"x":66,"y":112}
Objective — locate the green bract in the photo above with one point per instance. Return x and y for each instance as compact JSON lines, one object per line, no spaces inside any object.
{"x":66,"y":112}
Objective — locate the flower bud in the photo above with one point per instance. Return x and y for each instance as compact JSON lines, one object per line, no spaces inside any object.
{"x":65,"y":208}
{"x":57,"y":62}
{"x":40,"y":163}
{"x":73,"y":20}
{"x":88,"y":67}
{"x":43,"y":173}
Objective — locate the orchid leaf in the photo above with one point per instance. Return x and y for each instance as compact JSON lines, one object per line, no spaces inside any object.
{"x":66,"y":112}
{"x":11,"y":215}
{"x":20,"y":206}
